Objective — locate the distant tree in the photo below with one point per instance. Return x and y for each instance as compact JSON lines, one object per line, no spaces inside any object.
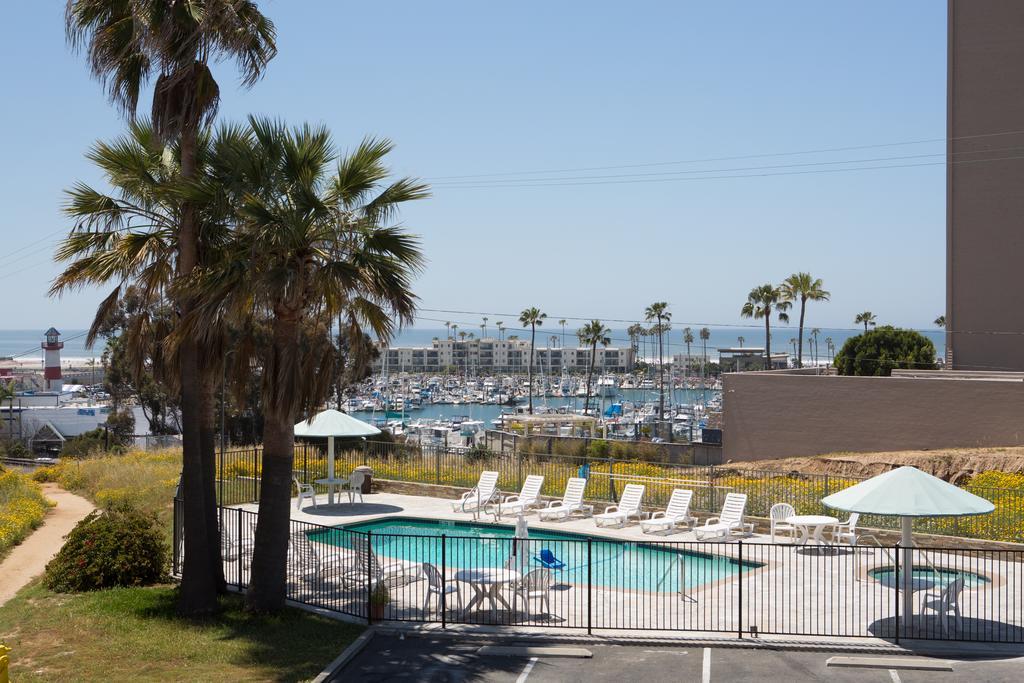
{"x":659,"y":311}
{"x":940,"y":321}
{"x":867,"y":318}
{"x":592,"y":334}
{"x":741,"y":340}
{"x":802,"y":287}
{"x":532,"y":317}
{"x":704,"y":334}
{"x":761,"y":303}
{"x":877,"y":352}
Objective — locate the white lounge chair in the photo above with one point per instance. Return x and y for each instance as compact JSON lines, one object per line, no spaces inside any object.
{"x":729,"y":520}
{"x":628,"y":506}
{"x":572,"y":501}
{"x":777,"y":516}
{"x":520,"y":503}
{"x":437,"y":586}
{"x":677,"y":512}
{"x":846,"y":532}
{"x":363,"y":559}
{"x":947,"y":603}
{"x":484,"y":493}
{"x":306,"y":492}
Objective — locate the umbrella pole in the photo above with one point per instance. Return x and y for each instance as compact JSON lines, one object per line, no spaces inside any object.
{"x":907,"y":543}
{"x":330,"y":469}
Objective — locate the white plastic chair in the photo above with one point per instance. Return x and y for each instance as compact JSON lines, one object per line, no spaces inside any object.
{"x":527,"y":498}
{"x":846,"y":532}
{"x":306,"y":492}
{"x":480,"y":495}
{"x":729,"y":520}
{"x":437,"y":586}
{"x":778,"y":515}
{"x":536,"y":585}
{"x":572,"y":501}
{"x":948,"y":601}
{"x":677,"y":511}
{"x":354,"y":487}
{"x":628,"y":506}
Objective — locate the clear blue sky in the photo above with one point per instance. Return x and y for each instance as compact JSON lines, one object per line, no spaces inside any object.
{"x":469,"y":88}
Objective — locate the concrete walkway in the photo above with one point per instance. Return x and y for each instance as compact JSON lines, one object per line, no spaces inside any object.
{"x":28,"y":560}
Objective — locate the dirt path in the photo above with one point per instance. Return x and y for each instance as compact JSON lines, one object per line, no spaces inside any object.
{"x":28,"y":560}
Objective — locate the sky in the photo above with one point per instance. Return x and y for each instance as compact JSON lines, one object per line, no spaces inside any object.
{"x":499,"y":106}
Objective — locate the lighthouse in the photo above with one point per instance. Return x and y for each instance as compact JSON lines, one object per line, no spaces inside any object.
{"x":51,"y":361}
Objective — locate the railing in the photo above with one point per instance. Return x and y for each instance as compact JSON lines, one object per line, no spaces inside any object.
{"x":238,"y":482}
{"x":444,"y":574}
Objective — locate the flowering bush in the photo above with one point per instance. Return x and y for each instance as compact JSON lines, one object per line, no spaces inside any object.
{"x":22,"y":508}
{"x":117,"y":547}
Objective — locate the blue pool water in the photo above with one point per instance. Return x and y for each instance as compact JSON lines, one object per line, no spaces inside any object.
{"x":655,"y":567}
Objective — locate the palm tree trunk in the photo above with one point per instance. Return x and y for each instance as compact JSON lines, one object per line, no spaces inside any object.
{"x":533,"y":338}
{"x":198,"y":594}
{"x":767,"y":343}
{"x":800,"y":334}
{"x":590,"y":377}
{"x":661,"y":378}
{"x":267,"y":588}
{"x":208,"y":446}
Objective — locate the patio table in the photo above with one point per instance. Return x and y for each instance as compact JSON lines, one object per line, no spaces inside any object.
{"x":331,"y":484}
{"x":486,"y":584}
{"x":812,"y":527}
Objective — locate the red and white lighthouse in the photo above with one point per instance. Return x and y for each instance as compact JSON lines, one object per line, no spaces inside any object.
{"x":51,"y":360}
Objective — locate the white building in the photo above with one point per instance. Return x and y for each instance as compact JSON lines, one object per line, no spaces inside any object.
{"x":505,"y":355}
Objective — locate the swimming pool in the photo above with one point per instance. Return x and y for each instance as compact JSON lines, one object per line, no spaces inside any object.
{"x":926,"y":577}
{"x":655,"y":567}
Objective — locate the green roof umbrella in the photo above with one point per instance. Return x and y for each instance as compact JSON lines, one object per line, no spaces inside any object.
{"x":907,"y":492}
{"x":331,"y":424}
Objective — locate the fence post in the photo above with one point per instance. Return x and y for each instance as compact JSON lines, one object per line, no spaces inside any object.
{"x":896,"y":593}
{"x":590,"y":587}
{"x":827,"y":485}
{"x":369,"y":577}
{"x":240,"y":546}
{"x":519,"y":468}
{"x":255,"y":479}
{"x":739,"y":609}
{"x":712,"y":492}
{"x":437,"y":463}
{"x":611,"y":479}
{"x":220,"y":478}
{"x":444,"y":581}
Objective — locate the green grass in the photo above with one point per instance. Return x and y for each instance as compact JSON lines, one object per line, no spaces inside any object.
{"x":134,"y":634}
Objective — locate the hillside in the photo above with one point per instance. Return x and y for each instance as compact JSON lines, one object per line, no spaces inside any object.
{"x":952,"y":464}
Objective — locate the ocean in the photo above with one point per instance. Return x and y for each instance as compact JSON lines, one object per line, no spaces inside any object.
{"x":25,"y":343}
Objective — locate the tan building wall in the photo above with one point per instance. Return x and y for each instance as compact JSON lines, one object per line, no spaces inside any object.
{"x":782,"y":414}
{"x":985,"y":185}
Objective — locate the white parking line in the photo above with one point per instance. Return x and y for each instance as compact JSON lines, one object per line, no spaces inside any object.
{"x":706,"y":673}
{"x":894,"y":675}
{"x":526,"y":670}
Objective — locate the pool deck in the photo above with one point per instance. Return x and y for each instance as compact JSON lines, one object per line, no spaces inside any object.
{"x":796,"y":590}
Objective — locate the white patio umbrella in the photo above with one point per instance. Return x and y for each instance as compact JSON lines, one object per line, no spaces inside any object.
{"x":334,"y":424}
{"x":522,"y":534}
{"x":907,"y":492}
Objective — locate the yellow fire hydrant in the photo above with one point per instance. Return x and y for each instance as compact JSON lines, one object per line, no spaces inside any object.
{"x":4,"y":678}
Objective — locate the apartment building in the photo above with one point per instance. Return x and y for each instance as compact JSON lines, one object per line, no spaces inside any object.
{"x":500,"y":355}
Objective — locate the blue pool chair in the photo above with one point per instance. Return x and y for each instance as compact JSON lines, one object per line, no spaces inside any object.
{"x":547,"y":559}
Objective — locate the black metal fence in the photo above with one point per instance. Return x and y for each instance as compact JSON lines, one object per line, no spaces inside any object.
{"x":450,"y":574}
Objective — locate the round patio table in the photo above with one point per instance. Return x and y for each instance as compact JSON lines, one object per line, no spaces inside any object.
{"x":486,"y":584}
{"x":812,"y":527}
{"x":331,"y":484}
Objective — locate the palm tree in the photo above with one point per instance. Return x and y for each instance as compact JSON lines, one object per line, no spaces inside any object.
{"x":562,"y":323}
{"x":741,"y":340}
{"x":592,"y":334}
{"x":659,"y":311}
{"x":501,"y":330}
{"x":814,"y":335}
{"x":448,"y":329}
{"x":130,"y":43}
{"x":314,"y":241}
{"x":483,"y":328}
{"x":462,"y":335}
{"x":761,"y":302}
{"x":802,"y":287}
{"x":940,"y":321}
{"x":687,"y":339}
{"x":830,"y":347}
{"x":867,"y":317}
{"x":532,"y":317}
{"x":705,"y":334}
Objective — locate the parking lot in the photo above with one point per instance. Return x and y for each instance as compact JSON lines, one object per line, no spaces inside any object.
{"x":444,"y":659}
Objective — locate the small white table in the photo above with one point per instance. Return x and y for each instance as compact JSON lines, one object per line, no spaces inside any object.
{"x":331,"y":484}
{"x":812,"y":527}
{"x":486,"y":585}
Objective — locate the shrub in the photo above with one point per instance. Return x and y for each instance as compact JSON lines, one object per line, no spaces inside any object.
{"x":22,"y":508}
{"x":46,"y":474}
{"x":119,"y":546}
{"x":877,"y":352}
